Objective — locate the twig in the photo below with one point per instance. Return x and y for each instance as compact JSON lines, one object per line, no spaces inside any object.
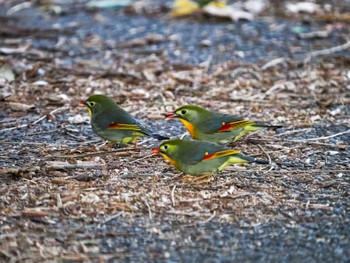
{"x":142,"y":158}
{"x":13,"y":128}
{"x":95,"y":153}
{"x":315,"y":34}
{"x":273,"y":62}
{"x":270,"y":90}
{"x":173,"y":195}
{"x":110,"y":218}
{"x":268,"y":156}
{"x":291,"y":132}
{"x":206,"y":64}
{"x":18,"y":7}
{"x":59,"y":201}
{"x":55,"y":165}
{"x":209,"y":219}
{"x":143,"y":142}
{"x":34,"y":122}
{"x":149,"y":209}
{"x":183,"y":135}
{"x":297,"y":171}
{"x":322,"y":138}
{"x":327,"y":51}
{"x":50,"y":113}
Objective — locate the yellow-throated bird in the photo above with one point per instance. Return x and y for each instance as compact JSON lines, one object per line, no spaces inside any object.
{"x":112,"y":123}
{"x":201,"y":157}
{"x":214,"y":126}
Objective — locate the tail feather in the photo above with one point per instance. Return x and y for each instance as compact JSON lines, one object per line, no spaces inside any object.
{"x":262,"y":125}
{"x":260,"y":161}
{"x":159,"y":137}
{"x":253,"y":160}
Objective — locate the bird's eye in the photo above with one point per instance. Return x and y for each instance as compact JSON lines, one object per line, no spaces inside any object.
{"x":165,"y":147}
{"x":183,"y":112}
{"x":92,"y":104}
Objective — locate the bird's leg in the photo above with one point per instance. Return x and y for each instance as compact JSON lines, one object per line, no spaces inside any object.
{"x":135,"y":145}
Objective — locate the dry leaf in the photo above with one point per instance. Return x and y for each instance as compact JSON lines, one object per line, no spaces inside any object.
{"x":184,"y":8}
{"x":228,"y":12}
{"x":6,"y":74}
{"x":16,"y":106}
{"x":303,"y":7}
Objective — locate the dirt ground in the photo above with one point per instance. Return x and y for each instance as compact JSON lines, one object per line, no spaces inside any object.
{"x":64,"y":196}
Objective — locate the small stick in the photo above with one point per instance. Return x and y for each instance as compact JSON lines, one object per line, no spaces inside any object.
{"x":149,"y":208}
{"x":291,"y":132}
{"x":55,"y":165}
{"x":50,"y":113}
{"x":95,"y":153}
{"x":36,"y":121}
{"x":59,"y":201}
{"x":110,"y":218}
{"x":322,"y":138}
{"x":268,"y":156}
{"x":142,"y":158}
{"x":314,"y":34}
{"x":209,"y":219}
{"x":273,"y":62}
{"x":173,"y":195}
{"x":327,"y":51}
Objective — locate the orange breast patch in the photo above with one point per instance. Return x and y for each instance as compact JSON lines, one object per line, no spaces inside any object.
{"x":189,"y":126}
{"x":171,"y":161}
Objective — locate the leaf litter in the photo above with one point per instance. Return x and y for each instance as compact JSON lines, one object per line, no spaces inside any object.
{"x":67,"y":196}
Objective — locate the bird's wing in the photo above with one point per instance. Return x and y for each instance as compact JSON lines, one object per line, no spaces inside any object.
{"x":121,"y":120}
{"x":198,"y":153}
{"x":219,"y":154}
{"x":224,"y":122}
{"x":124,"y":126}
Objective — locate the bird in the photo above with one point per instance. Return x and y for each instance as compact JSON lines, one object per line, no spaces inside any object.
{"x":201,"y":158}
{"x":112,"y":123}
{"x":203,"y":124}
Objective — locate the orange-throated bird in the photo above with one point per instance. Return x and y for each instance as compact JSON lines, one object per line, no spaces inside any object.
{"x":214,"y":126}
{"x":201,"y":157}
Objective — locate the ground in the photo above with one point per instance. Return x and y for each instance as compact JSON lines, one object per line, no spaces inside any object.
{"x":67,"y":197}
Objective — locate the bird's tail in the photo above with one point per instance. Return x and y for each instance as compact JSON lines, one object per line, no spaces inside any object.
{"x":250,"y":159}
{"x":159,"y":137}
{"x":267,"y":126}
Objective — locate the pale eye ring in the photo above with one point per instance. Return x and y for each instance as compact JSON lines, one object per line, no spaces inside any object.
{"x":165,"y":147}
{"x":183,"y":112}
{"x":92,"y":104}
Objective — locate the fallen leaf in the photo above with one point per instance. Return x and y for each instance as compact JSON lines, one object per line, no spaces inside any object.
{"x":40,"y":83}
{"x":16,"y":106}
{"x":255,"y":6}
{"x":184,"y":8}
{"x":303,"y":7}
{"x":101,"y":4}
{"x":90,"y":198}
{"x":228,"y":12}
{"x":77,"y":119}
{"x":20,"y":49}
{"x":6,"y":74}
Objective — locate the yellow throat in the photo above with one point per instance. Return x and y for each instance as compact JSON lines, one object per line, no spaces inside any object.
{"x":171,"y":161}
{"x":189,"y":126}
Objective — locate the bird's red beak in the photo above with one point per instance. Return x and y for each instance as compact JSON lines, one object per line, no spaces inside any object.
{"x":82,"y":102}
{"x":155,"y":150}
{"x":169,"y":115}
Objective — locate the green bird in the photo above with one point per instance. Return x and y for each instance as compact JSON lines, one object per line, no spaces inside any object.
{"x":112,"y":123}
{"x":214,"y":126}
{"x":201,"y":157}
